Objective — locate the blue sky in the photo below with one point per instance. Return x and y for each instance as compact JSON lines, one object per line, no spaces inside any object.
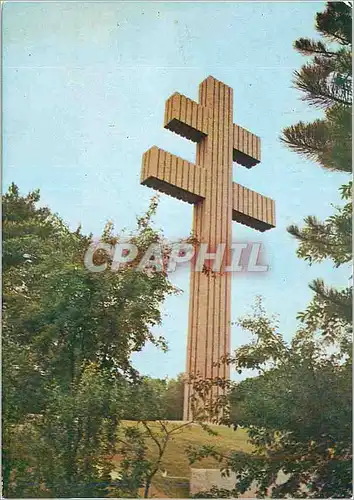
{"x":84,"y":86}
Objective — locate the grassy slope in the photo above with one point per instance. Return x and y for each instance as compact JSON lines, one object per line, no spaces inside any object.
{"x":176,"y":463}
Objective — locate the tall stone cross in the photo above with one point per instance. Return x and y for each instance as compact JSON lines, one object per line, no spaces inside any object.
{"x":217,"y":201}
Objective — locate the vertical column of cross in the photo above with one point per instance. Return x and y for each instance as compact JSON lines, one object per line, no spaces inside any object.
{"x":210,"y":293}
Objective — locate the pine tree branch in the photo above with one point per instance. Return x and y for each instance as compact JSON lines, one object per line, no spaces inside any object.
{"x":328,"y":239}
{"x":335,"y":22}
{"x":309,"y":47}
{"x":310,"y":139}
{"x":341,"y":300}
{"x":319,"y":86}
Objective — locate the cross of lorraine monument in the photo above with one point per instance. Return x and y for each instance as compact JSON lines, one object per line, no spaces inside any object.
{"x":217,"y":201}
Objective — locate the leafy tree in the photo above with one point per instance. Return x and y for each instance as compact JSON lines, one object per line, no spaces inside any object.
{"x":138,"y":467}
{"x":146,"y":401}
{"x":143,"y":445}
{"x":68,"y":335}
{"x":153,"y":399}
{"x":174,"y":398}
{"x":153,"y":405}
{"x":298,"y":414}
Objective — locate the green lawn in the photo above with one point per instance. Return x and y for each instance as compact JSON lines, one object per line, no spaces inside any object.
{"x":175,"y":460}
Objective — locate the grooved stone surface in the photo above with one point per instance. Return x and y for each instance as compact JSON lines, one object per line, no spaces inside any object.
{"x":217,"y":201}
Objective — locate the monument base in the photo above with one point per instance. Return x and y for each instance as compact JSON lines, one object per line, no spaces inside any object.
{"x":202,"y":480}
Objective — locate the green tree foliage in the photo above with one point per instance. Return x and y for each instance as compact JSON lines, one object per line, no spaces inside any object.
{"x":298,"y":410}
{"x":329,"y":239}
{"x":327,"y":81}
{"x":155,"y":405}
{"x":138,"y":467}
{"x":298,"y":413}
{"x":147,"y":400}
{"x":174,"y":398}
{"x":68,"y":335}
{"x":302,"y":403}
{"x":156,"y":399}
